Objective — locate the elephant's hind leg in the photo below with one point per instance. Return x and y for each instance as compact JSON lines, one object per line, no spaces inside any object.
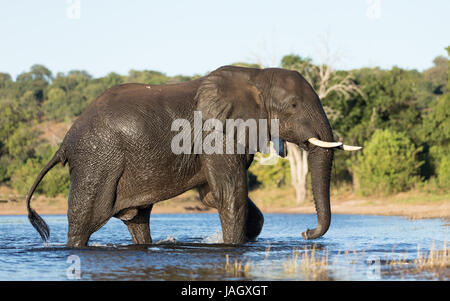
{"x":139,"y":226}
{"x":91,"y":199}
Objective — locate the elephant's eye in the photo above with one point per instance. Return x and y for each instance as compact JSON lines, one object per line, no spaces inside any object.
{"x":294,"y":105}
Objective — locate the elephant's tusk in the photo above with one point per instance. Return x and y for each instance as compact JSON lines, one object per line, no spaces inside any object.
{"x":339,"y":145}
{"x":350,"y":148}
{"x":326,"y":144}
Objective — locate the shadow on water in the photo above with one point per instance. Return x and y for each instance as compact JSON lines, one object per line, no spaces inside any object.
{"x":355,"y":248}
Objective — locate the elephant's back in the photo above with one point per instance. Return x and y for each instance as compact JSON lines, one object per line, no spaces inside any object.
{"x":134,"y":95}
{"x":133,"y":108}
{"x":134,"y":113}
{"x":133,"y":128}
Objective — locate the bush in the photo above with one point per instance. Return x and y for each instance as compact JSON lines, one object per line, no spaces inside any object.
{"x":444,"y":172}
{"x":270,"y":176}
{"x":22,"y":142}
{"x":387,"y":164}
{"x":24,"y":175}
{"x":5,"y":161}
{"x":57,"y":180}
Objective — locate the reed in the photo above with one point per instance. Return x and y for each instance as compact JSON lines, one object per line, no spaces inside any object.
{"x":311,"y":263}
{"x":237,"y":268}
{"x":435,"y":262}
{"x":308,"y":264}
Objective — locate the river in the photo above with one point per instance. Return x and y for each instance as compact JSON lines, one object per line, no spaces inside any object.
{"x":188,"y":247}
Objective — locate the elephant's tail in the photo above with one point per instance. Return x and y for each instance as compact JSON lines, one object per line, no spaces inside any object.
{"x":38,"y":223}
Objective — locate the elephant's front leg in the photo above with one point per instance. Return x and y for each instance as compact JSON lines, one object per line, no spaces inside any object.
{"x":227,"y":180}
{"x":254,"y":221}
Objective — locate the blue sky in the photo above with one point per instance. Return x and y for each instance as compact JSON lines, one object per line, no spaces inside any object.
{"x":188,"y":37}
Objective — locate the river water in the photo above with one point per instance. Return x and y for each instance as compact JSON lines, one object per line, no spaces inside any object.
{"x":188,"y":247}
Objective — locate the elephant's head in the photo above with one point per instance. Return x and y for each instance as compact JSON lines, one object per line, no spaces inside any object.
{"x":236,"y":92}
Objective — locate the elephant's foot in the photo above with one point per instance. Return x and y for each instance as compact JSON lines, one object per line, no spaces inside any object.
{"x":254,"y":220}
{"x":233,"y":221}
{"x":139,"y":226}
{"x":77,"y":240}
{"x":252,"y":227}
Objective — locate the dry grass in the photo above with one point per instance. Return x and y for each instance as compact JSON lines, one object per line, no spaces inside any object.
{"x":434,"y":262}
{"x":315,"y":265}
{"x":309,"y":264}
{"x":301,"y":264}
{"x":237,"y":268}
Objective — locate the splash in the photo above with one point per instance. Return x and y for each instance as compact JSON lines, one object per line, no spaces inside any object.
{"x":96,"y":244}
{"x":215,"y":238}
{"x":169,"y":239}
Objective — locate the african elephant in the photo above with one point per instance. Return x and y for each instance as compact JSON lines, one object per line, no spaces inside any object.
{"x":121,"y":161}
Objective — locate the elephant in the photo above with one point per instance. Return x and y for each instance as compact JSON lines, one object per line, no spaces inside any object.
{"x":121,"y":162}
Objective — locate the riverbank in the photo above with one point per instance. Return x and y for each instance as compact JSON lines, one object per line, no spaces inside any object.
{"x":413,"y":204}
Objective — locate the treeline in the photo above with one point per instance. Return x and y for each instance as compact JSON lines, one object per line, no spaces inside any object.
{"x":401,"y":117}
{"x":38,"y":96}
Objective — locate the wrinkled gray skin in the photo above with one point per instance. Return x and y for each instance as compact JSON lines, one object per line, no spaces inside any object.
{"x":121,"y":163}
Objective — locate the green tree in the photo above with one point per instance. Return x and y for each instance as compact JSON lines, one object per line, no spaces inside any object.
{"x":22,"y":143}
{"x":111,"y":80}
{"x":56,"y":106}
{"x":388,"y":163}
{"x":437,"y":74}
{"x":443,"y":172}
{"x":56,"y":182}
{"x":70,"y":94}
{"x":277,"y":175}
{"x":435,"y":132}
{"x":10,"y":118}
{"x":147,"y":77}
{"x":36,"y":80}
{"x":5,"y":80}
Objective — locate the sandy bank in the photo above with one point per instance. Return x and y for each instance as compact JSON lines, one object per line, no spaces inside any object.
{"x":269,"y":201}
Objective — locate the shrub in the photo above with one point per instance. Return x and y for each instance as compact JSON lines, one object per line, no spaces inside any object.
{"x":21,"y":143}
{"x":387,"y":164}
{"x":444,"y":172}
{"x":276,"y":175}
{"x":24,"y":175}
{"x":56,"y":181}
{"x":5,"y":161}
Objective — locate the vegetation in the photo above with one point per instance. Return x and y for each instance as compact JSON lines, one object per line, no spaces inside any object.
{"x":314,"y":263}
{"x":401,"y":117}
{"x":388,"y":163}
{"x":37,"y":97}
{"x":406,"y":112}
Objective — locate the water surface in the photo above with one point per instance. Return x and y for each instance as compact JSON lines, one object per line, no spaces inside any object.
{"x":187,"y":247}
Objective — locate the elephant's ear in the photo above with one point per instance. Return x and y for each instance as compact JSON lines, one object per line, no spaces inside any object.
{"x":228,"y":93}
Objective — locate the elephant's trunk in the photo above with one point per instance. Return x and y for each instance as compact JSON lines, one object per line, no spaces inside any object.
{"x":320,"y":162}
